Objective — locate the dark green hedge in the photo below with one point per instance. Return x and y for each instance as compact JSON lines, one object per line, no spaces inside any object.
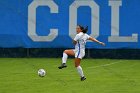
{"x":56,"y":53}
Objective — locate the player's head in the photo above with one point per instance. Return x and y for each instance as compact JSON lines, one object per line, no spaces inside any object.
{"x":81,"y":29}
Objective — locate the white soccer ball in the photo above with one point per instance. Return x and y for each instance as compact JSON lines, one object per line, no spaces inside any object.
{"x":41,"y":72}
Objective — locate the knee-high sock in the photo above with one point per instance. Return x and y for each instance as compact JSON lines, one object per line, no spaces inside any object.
{"x":80,"y":71}
{"x":64,"y":58}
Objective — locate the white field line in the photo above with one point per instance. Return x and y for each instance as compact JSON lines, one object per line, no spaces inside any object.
{"x":106,"y":64}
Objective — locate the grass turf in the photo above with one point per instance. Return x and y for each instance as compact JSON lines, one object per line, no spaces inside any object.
{"x":19,"y":75}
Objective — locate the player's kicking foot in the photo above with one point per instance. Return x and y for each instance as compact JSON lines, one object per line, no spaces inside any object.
{"x":83,"y":78}
{"x":62,"y":66}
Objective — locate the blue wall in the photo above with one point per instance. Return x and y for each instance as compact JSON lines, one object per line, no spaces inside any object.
{"x":16,"y":23}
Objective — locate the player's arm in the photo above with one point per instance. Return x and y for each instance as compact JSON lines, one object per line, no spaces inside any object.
{"x":74,"y":42}
{"x":95,"y":40}
{"x":76,"y":39}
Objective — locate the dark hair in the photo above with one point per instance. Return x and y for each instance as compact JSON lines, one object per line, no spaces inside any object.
{"x":84,"y":30}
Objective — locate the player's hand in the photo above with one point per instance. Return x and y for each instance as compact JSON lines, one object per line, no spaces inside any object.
{"x":103,"y":44}
{"x":74,"y":42}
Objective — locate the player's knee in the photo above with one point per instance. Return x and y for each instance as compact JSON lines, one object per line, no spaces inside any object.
{"x":65,"y":51}
{"x":77,"y":64}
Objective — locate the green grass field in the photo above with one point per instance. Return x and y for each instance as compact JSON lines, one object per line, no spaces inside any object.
{"x":19,"y":75}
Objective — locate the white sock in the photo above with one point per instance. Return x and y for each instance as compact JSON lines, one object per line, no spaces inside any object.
{"x":64,"y":58}
{"x":80,"y":71}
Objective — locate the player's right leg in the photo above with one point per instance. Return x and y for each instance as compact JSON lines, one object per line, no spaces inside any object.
{"x":79,"y":68}
{"x":66,"y":53}
{"x":78,"y":57}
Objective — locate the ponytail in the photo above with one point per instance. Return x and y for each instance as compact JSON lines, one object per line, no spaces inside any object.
{"x":85,"y":30}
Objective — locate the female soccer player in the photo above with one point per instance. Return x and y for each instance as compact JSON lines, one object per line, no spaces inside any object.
{"x":79,"y":51}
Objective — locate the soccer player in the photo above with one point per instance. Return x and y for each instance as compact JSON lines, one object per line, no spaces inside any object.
{"x":79,"y":52}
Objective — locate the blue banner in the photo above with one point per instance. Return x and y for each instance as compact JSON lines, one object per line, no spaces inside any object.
{"x":52,"y":23}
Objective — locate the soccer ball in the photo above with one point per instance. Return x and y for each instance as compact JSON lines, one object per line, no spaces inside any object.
{"x":41,"y":72}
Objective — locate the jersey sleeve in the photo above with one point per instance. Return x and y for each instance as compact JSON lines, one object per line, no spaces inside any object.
{"x":88,"y":36}
{"x":76,"y":37}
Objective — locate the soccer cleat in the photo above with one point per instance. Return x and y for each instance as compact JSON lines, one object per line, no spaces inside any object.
{"x":83,"y":78}
{"x":62,"y":66}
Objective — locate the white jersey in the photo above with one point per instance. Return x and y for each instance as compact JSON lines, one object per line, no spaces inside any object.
{"x":81,"y":39}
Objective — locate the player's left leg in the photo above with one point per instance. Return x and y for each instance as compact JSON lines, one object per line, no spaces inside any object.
{"x":66,"y":53}
{"x":79,"y":68}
